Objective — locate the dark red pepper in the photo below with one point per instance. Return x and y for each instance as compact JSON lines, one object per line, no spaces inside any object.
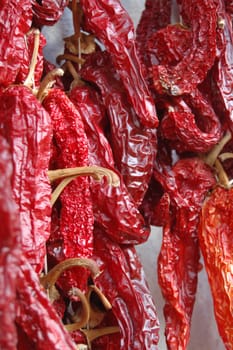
{"x":113,"y":207}
{"x":112,"y":25}
{"x":27,"y":128}
{"x":47,"y":12}
{"x":133,"y":145}
{"x":187,"y":184}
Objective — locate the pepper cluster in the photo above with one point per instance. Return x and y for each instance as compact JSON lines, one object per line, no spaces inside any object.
{"x":130,"y":129}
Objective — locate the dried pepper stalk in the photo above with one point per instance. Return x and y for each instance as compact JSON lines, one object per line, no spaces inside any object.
{"x":112,"y":25}
{"x":27,"y":128}
{"x":187,"y":184}
{"x":10,"y":251}
{"x":134,"y":152}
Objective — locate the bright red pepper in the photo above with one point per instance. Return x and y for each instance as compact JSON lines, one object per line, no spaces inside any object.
{"x":47,"y":12}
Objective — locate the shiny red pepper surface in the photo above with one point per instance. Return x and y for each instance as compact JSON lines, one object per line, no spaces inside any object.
{"x":216,"y":243}
{"x":27,"y":128}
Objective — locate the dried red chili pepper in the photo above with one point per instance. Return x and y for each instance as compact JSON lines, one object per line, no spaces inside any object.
{"x":156,"y":15}
{"x":215,"y":236}
{"x":201,"y":18}
{"x":134,"y":153}
{"x":191,"y":123}
{"x":187,"y":184}
{"x":76,"y":213}
{"x":27,"y":128}
{"x":122,"y":282}
{"x":9,"y":251}
{"x":47,"y":12}
{"x":113,"y":207}
{"x":112,"y":25}
{"x":35,"y":314}
{"x":16,"y":22}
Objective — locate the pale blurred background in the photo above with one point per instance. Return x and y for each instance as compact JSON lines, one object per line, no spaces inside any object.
{"x":204,"y":334}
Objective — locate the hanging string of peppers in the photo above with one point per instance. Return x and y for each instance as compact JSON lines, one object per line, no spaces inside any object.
{"x":132,"y":128}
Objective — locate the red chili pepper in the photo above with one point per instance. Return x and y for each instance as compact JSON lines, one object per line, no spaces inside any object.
{"x":187,"y":185}
{"x":122,"y":282}
{"x":15,"y":23}
{"x":191,"y":123}
{"x":215,"y":236}
{"x":47,"y":12}
{"x":114,"y":28}
{"x":35,"y":314}
{"x":134,"y":152}
{"x":201,"y":18}
{"x":27,"y":128}
{"x":9,"y":251}
{"x":76,"y":213}
{"x":114,"y":209}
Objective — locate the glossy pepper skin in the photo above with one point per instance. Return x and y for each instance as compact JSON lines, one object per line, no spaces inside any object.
{"x":187,"y":184}
{"x":129,"y":295}
{"x":47,"y":12}
{"x":27,"y":127}
{"x":215,"y":236}
{"x":16,"y":22}
{"x":133,"y":145}
{"x":10,"y":251}
{"x":75,"y":211}
{"x":113,"y":26}
{"x":114,"y":209}
{"x":201,"y":18}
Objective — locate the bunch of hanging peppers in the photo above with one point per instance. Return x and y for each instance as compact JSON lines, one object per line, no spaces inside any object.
{"x":131,"y":129}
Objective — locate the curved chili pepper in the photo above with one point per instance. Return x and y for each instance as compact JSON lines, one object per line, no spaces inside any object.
{"x":47,"y":12}
{"x":10,"y":251}
{"x":187,"y":184}
{"x":129,"y":295}
{"x":112,"y":25}
{"x":135,"y":151}
{"x":191,"y":124}
{"x":16,"y":22}
{"x":191,"y":70}
{"x":215,"y":235}
{"x":27,"y":128}
{"x":114,"y":209}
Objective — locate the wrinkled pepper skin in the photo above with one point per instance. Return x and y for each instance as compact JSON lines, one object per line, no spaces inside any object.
{"x":187,"y":184}
{"x":114,"y":208}
{"x":113,"y":26}
{"x":201,"y":18}
{"x":47,"y":12}
{"x":27,"y":127}
{"x":36,"y":315}
{"x":129,"y":295}
{"x":215,"y":236}
{"x":15,"y":23}
{"x":10,"y":251}
{"x":134,"y":152}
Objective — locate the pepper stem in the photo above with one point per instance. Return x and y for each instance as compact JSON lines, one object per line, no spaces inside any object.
{"x":29,"y":81}
{"x":48,"y":82}
{"x":70,"y":174}
{"x":211,"y":157}
{"x":97,"y":312}
{"x":222,"y":176}
{"x":85,"y":314}
{"x":50,"y":279}
{"x":69,"y":57}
